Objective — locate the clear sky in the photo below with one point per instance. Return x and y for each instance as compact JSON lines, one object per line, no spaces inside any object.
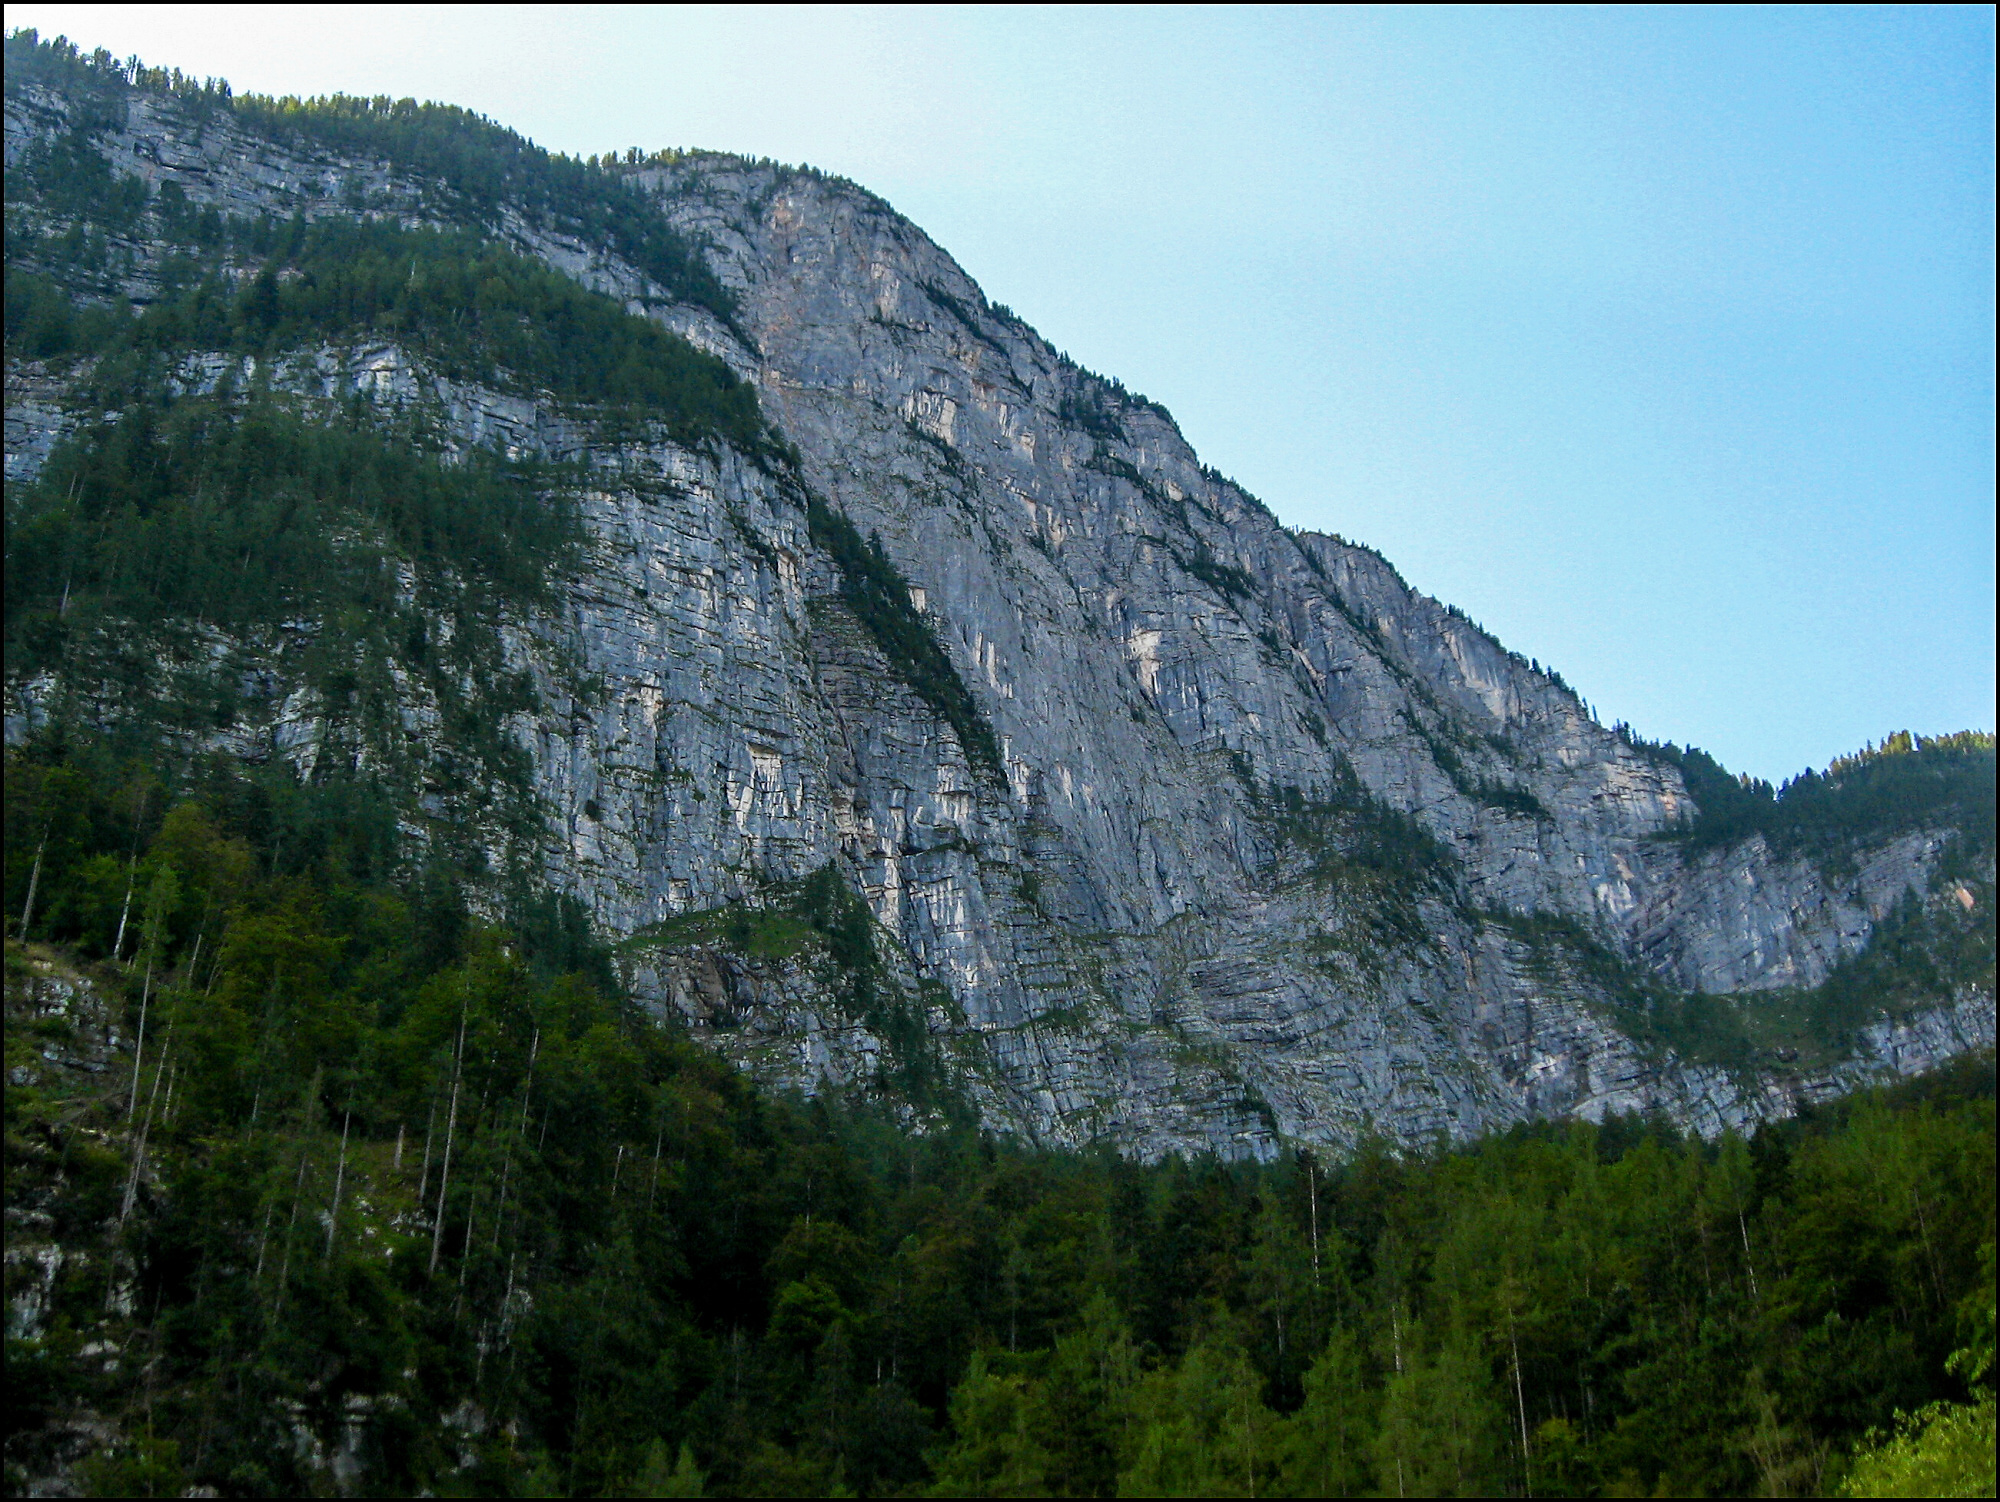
{"x":1660,"y":341}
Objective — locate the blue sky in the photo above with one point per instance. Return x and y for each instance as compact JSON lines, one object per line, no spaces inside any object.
{"x":1660,"y":341}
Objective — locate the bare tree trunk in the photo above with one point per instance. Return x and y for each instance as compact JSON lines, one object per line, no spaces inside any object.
{"x":34,"y":880}
{"x":1312,"y":1200}
{"x":1917,"y":1203}
{"x":146,"y":1128}
{"x":528,"y":1086}
{"x":1521,"y":1404}
{"x":500,"y":1209}
{"x":450,"y":1129}
{"x":291,"y":1226}
{"x":339,"y":1177}
{"x":139,"y":1045}
{"x":424,"y":1179}
{"x":1748,"y":1266}
{"x":145,"y":1131}
{"x":655,"y":1184}
{"x":167,"y":1106}
{"x":465,"y":1250}
{"x":131,"y":876}
{"x":263,"y":1237}
{"x":125,"y":912}
{"x":1318,"y":1331}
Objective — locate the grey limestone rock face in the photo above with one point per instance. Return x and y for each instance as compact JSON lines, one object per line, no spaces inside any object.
{"x":1738,"y":919}
{"x":1151,"y":926}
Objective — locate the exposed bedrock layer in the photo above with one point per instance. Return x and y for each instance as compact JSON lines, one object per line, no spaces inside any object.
{"x":1262,"y":850}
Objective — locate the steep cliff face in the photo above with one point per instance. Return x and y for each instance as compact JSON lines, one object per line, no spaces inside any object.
{"x":1241,"y":839}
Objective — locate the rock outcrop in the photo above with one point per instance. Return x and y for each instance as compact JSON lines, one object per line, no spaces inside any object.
{"x":1270,"y":834}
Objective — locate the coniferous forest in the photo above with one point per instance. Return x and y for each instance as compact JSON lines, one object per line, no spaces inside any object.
{"x":355,"y":1167}
{"x":376,"y":1152}
{"x":381,"y":1159}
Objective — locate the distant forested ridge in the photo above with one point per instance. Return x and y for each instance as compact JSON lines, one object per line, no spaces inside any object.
{"x":1907,"y":783}
{"x":482,"y":170}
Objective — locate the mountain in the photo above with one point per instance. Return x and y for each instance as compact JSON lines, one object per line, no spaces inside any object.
{"x":512,"y":664}
{"x":689,"y":541}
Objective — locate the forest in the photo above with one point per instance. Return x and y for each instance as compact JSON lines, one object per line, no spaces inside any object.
{"x":374,"y":1156}
{"x":477,"y":311}
{"x":1879,"y":791}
